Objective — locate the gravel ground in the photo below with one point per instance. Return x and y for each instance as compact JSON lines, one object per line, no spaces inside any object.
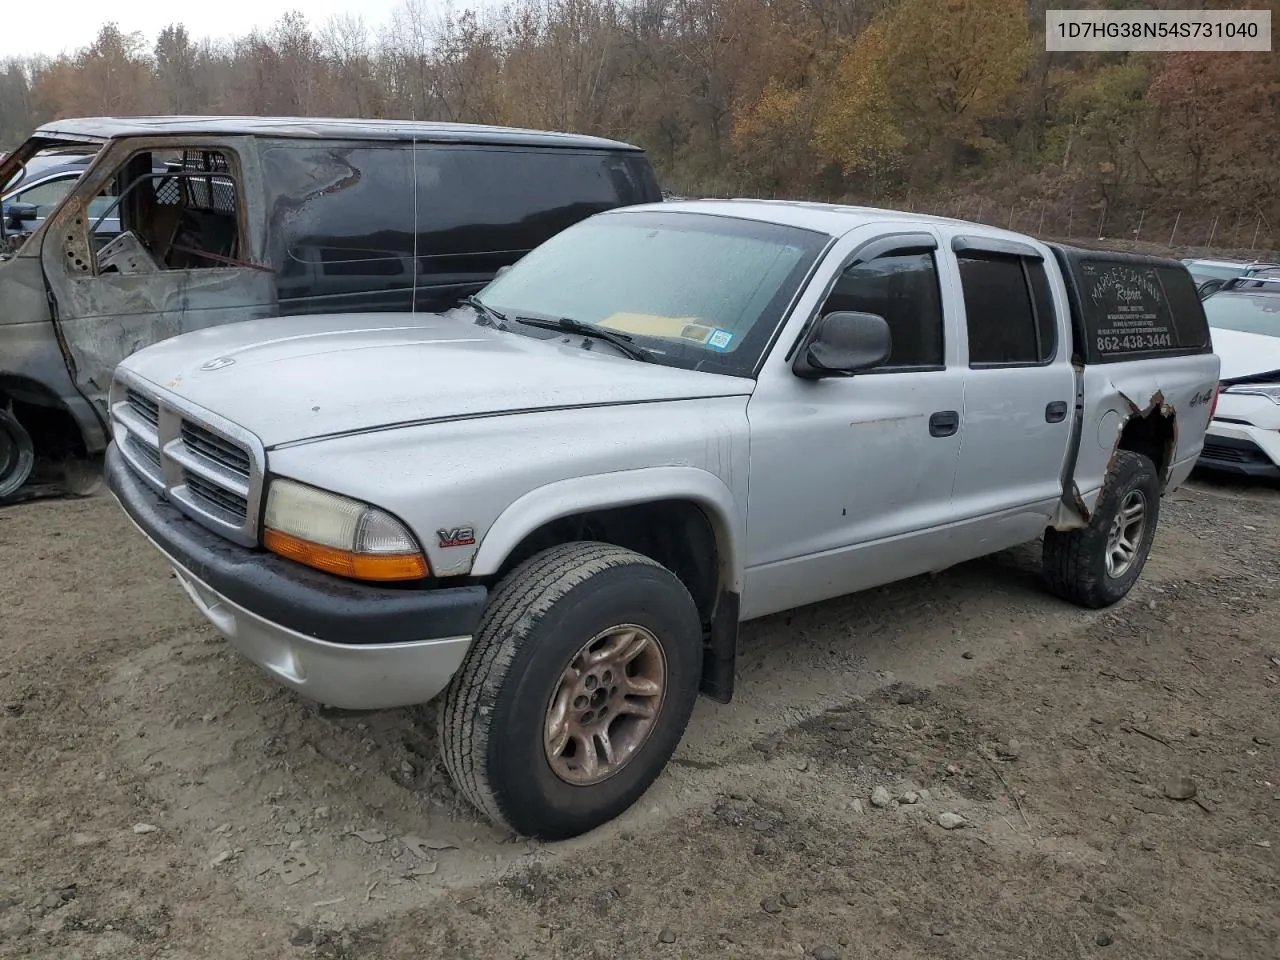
{"x":956,"y":766}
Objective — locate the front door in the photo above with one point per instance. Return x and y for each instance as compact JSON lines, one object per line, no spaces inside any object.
{"x":156,"y":240}
{"x":851,"y":477}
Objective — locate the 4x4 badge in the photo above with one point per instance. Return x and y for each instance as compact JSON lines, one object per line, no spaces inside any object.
{"x":456,"y":537}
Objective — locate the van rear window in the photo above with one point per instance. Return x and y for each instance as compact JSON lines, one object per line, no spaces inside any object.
{"x":1131,"y":310}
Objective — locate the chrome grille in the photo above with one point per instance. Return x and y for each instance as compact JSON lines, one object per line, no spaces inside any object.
{"x":149,"y":454}
{"x":230,"y":506}
{"x":146,"y":408}
{"x":208,"y":468}
{"x":215,"y":449}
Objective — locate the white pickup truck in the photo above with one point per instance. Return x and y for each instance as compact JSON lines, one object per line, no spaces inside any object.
{"x":553,"y":505}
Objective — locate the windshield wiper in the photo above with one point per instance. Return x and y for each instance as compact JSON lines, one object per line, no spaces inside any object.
{"x":491,"y":315}
{"x":621,"y":341}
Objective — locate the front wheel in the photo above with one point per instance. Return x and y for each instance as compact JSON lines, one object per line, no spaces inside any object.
{"x":17,"y":455}
{"x":1099,"y":564}
{"x":575,"y":692}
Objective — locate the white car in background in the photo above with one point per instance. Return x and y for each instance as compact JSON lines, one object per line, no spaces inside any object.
{"x":1244,"y":434}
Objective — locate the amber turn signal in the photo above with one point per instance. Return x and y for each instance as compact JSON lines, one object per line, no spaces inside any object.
{"x":345,"y":563}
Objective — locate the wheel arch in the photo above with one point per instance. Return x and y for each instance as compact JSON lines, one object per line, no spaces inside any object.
{"x":1154,"y":434}
{"x":682,"y":517}
{"x":49,"y":417}
{"x":647,"y":487}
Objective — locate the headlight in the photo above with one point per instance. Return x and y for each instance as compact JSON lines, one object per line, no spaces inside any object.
{"x":339,"y":535}
{"x":1269,"y":390}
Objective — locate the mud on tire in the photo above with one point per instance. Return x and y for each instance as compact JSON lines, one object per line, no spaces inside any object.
{"x":547,"y":616}
{"x":1076,"y":564}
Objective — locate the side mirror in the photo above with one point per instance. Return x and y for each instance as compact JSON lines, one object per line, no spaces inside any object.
{"x":16,"y":214}
{"x":843,"y":343}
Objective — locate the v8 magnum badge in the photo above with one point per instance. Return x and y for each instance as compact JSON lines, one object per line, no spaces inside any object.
{"x":456,"y":537}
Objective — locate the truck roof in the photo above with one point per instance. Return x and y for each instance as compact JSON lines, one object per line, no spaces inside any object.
{"x":321,"y":128}
{"x":836,"y":219}
{"x":832,"y":218}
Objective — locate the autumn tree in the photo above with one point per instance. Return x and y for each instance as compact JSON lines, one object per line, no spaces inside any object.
{"x":177,"y":83}
{"x":110,"y":77}
{"x":950,"y":67}
{"x":1108,"y":118}
{"x":873,"y":99}
{"x":858,"y":128}
{"x":1216,"y":111}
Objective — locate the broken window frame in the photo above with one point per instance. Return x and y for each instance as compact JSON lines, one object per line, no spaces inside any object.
{"x":81,"y":247}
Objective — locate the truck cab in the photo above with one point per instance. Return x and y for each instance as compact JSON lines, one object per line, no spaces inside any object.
{"x":155,"y":227}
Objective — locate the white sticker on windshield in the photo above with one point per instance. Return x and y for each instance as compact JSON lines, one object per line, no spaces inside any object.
{"x":720,"y":340}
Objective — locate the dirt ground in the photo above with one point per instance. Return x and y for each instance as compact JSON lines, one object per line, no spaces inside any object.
{"x":160,"y":798}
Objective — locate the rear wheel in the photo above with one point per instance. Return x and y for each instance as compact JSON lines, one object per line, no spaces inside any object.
{"x":17,"y":455}
{"x":1098,"y":565}
{"x":575,"y":692}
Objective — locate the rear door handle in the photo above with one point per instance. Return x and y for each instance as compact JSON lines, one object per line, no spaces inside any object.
{"x":1056,"y":412}
{"x":944,"y":423}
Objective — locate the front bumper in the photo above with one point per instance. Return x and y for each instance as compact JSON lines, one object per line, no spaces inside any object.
{"x":1242,"y":449}
{"x":345,"y":644}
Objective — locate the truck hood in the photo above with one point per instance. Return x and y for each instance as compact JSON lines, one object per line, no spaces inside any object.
{"x":1245,"y":354}
{"x":289,"y":379}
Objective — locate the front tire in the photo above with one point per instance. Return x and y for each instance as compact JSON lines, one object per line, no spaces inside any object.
{"x":575,"y":692}
{"x":1098,"y":565}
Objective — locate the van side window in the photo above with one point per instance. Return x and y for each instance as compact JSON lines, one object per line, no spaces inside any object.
{"x":903,"y":288}
{"x":1008,"y":309}
{"x":176,"y":209}
{"x":342,"y":227}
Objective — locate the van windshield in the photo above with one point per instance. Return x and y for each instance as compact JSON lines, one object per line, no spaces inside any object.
{"x":696,"y":291}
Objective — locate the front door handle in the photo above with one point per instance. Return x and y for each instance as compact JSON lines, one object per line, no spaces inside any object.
{"x":1055,"y":412}
{"x":944,"y":423}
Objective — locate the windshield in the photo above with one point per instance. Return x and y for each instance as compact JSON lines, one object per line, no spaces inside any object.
{"x":1215,"y":271}
{"x":1247,"y":314}
{"x":696,"y":291}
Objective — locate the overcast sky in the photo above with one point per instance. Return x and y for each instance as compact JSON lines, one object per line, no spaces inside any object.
{"x":32,"y":26}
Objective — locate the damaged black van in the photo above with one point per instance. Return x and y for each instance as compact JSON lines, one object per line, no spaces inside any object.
{"x":183,"y":223}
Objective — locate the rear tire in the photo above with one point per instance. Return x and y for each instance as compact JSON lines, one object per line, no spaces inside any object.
{"x":17,"y":456}
{"x":551,"y":667}
{"x":1098,"y":565}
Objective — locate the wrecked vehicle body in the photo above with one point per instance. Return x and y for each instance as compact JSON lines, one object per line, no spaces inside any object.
{"x":182,"y":224}
{"x":555,"y":505}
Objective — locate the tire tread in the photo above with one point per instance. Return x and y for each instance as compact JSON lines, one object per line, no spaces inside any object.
{"x":519,"y":601}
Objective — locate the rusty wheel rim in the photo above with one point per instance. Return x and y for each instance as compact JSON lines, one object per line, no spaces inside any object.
{"x":606,"y":704}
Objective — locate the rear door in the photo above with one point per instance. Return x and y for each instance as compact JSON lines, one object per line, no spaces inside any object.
{"x":1019,"y":390}
{"x":141,"y":251}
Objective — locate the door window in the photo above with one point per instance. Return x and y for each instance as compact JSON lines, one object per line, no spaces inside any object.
{"x":47,"y":195}
{"x":902,"y":287}
{"x":175,"y":209}
{"x":1009,"y":310}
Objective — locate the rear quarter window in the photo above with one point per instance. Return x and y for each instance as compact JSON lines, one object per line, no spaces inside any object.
{"x":1131,"y":310}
